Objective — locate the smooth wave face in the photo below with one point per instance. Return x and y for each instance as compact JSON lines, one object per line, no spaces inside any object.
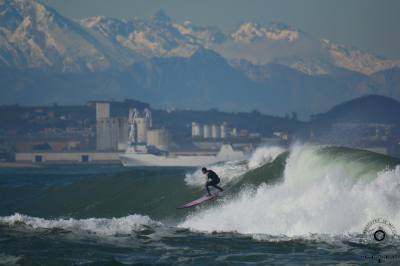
{"x":155,"y":192}
{"x":324,"y":191}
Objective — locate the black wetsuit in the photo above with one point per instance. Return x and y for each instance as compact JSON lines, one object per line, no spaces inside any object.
{"x":213,"y":182}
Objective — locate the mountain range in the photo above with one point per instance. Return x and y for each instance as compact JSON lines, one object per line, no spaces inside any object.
{"x":276,"y":68}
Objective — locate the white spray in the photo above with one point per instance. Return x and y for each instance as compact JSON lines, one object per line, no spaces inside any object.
{"x":231,"y":172}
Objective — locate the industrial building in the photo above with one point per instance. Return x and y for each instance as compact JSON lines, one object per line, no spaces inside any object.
{"x":215,"y":132}
{"x":51,"y":144}
{"x":119,"y":132}
{"x":139,"y":124}
{"x":224,"y":129}
{"x":207,"y":131}
{"x":142,"y":133}
{"x":102,"y":110}
{"x":110,"y":131}
{"x":197,"y":130}
{"x":158,"y":138}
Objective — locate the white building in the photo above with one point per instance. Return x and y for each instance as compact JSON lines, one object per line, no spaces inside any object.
{"x":158,"y":138}
{"x":102,"y":110}
{"x":197,"y":130}
{"x":224,"y":130}
{"x":110,"y":131}
{"x":207,"y":131}
{"x":215,"y":131}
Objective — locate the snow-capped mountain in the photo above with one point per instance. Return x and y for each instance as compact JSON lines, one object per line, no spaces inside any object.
{"x":274,"y":43}
{"x":33,"y":35}
{"x":156,"y":37}
{"x":357,"y":60}
{"x":282,"y":44}
{"x":248,"y":32}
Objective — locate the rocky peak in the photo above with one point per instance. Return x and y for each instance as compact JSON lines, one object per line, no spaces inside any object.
{"x":160,"y":17}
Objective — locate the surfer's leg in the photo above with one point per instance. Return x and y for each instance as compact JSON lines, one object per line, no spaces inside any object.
{"x":208,"y":190}
{"x":218,"y":187}
{"x":214,"y":184}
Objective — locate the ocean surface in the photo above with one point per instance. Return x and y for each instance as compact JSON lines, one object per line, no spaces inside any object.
{"x":307,"y":205}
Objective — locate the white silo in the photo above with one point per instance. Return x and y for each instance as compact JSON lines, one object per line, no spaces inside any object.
{"x":224,"y":130}
{"x":102,"y":110}
{"x":158,"y":138}
{"x":197,"y":130}
{"x":207,"y":131}
{"x":215,"y":132}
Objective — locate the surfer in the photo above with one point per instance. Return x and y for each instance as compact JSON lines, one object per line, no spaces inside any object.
{"x":212,"y":180}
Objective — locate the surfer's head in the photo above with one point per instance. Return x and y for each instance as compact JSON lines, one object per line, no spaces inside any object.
{"x":204,"y":170}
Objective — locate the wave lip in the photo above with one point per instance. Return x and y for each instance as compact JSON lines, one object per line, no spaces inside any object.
{"x":100,"y":226}
{"x":264,"y":155}
{"x":232,"y":171}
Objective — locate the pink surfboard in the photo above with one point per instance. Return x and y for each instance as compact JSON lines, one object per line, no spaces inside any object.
{"x":199,"y":201}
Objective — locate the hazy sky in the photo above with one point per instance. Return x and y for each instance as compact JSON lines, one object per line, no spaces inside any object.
{"x":373,"y":25}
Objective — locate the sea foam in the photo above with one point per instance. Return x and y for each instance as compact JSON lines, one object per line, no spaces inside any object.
{"x":100,"y":226}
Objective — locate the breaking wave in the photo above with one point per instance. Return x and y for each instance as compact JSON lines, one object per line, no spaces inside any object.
{"x":324,"y":190}
{"x":99,"y":226}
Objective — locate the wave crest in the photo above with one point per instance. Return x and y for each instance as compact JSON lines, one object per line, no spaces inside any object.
{"x":100,"y":226}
